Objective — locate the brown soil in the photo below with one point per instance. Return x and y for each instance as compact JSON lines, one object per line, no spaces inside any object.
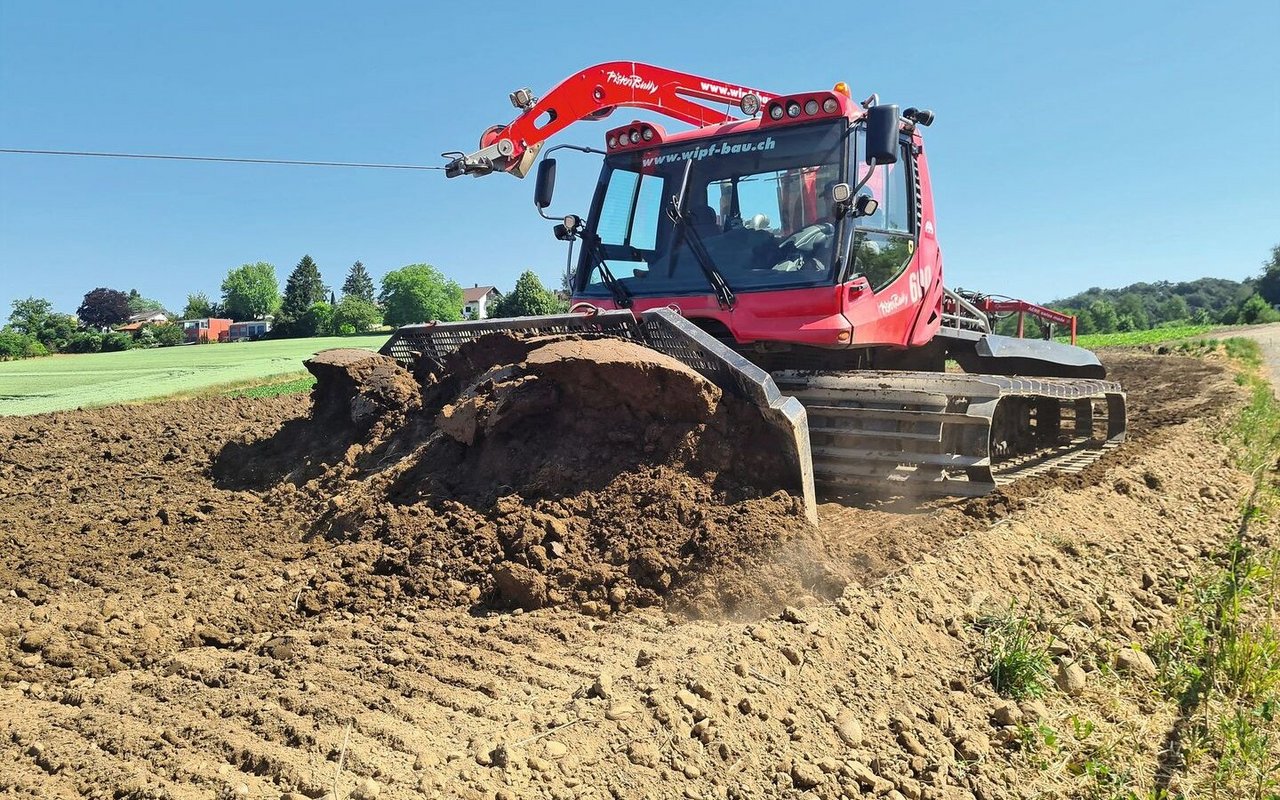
{"x":537,"y":471}
{"x":213,"y":593}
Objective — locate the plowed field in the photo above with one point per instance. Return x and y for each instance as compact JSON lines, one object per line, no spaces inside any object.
{"x":175,"y":623}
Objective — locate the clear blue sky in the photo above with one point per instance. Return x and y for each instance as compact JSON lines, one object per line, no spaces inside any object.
{"x":1076,"y":144}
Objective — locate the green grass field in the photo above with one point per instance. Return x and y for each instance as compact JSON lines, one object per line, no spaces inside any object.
{"x":59,"y":383}
{"x":1134,"y":338}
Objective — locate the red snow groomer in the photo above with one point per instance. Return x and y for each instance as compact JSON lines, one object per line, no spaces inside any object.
{"x":786,"y":247}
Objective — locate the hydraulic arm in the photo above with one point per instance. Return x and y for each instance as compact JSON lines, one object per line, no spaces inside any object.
{"x":593,"y":94}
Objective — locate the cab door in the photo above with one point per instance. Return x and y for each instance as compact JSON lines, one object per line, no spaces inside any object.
{"x":883,"y":284}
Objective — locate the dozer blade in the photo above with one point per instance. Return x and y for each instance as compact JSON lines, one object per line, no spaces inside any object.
{"x":662,"y":330}
{"x":908,"y":433}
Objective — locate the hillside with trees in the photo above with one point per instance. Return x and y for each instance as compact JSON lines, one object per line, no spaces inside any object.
{"x":1140,"y":306}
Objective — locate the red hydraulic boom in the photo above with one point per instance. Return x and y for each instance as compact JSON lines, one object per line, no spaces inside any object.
{"x":593,"y":94}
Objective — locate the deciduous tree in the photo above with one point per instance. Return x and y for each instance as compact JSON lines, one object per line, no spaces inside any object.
{"x":28,"y":316}
{"x":56,"y":330}
{"x":19,"y":345}
{"x":1132,"y":313}
{"x":315,"y":321}
{"x":167,"y":335}
{"x":419,"y":293}
{"x":251,"y":291}
{"x":199,"y":306}
{"x":1174,"y":309}
{"x":1269,"y":283}
{"x":360,"y":314}
{"x":1104,"y":316}
{"x":103,"y":308}
{"x":1256,"y":310}
{"x":527,"y":299}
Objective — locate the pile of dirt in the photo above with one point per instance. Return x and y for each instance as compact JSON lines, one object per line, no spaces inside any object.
{"x":531,"y":471}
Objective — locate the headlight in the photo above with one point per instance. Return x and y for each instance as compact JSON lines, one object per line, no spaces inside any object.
{"x":647,"y":134}
{"x":775,"y":111}
{"x":635,"y":136}
{"x":750,"y":104}
{"x":830,"y":105}
{"x":811,"y":107}
{"x":613,"y":141}
{"x":793,"y":109}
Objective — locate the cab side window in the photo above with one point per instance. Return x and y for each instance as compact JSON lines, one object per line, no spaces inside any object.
{"x":883,"y":242}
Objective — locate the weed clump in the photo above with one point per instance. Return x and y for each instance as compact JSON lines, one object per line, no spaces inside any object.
{"x":1017,"y":660}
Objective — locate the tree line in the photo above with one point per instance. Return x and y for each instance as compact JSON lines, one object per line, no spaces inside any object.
{"x":1140,"y":306}
{"x":306,"y":307}
{"x":35,"y":329}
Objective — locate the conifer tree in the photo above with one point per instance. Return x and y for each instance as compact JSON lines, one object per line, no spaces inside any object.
{"x":358,"y":283}
{"x":304,"y":288}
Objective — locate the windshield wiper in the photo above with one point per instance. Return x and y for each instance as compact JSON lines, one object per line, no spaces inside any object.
{"x":621,"y":297}
{"x":684,"y":229}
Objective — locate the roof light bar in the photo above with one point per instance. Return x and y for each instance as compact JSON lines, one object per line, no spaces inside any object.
{"x":637,"y":133}
{"x":798,"y":108}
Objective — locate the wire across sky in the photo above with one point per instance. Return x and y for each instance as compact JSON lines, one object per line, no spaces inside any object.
{"x":222,"y":159}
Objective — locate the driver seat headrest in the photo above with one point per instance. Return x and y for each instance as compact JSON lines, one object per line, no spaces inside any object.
{"x":705,"y":220}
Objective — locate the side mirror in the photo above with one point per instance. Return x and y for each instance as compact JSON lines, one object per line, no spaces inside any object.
{"x":882,"y":135}
{"x":546,"y":184}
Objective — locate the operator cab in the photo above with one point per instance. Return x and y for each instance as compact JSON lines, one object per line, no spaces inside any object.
{"x":796,"y":227}
{"x":769,"y":208}
{"x":754,"y":201}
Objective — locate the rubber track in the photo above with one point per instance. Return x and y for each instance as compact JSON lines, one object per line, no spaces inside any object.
{"x":939,"y":433}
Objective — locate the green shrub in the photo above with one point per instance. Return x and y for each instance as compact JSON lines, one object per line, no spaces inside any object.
{"x":84,"y":342}
{"x":362,"y":315}
{"x":167,"y":335}
{"x":115,"y":342}
{"x":12,"y":344}
{"x":317,"y":321}
{"x":15,"y":345}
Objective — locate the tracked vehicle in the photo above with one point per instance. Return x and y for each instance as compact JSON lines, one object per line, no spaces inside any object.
{"x":786,"y":247}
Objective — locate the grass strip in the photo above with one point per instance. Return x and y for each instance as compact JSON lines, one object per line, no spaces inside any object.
{"x":275,"y":389}
{"x":1171,"y":333}
{"x":1220,"y":661}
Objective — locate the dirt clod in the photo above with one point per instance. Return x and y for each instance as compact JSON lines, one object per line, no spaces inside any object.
{"x":1135,"y":662}
{"x":1071,"y":679}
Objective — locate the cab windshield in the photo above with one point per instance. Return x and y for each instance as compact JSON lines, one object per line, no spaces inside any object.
{"x":759,"y":202}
